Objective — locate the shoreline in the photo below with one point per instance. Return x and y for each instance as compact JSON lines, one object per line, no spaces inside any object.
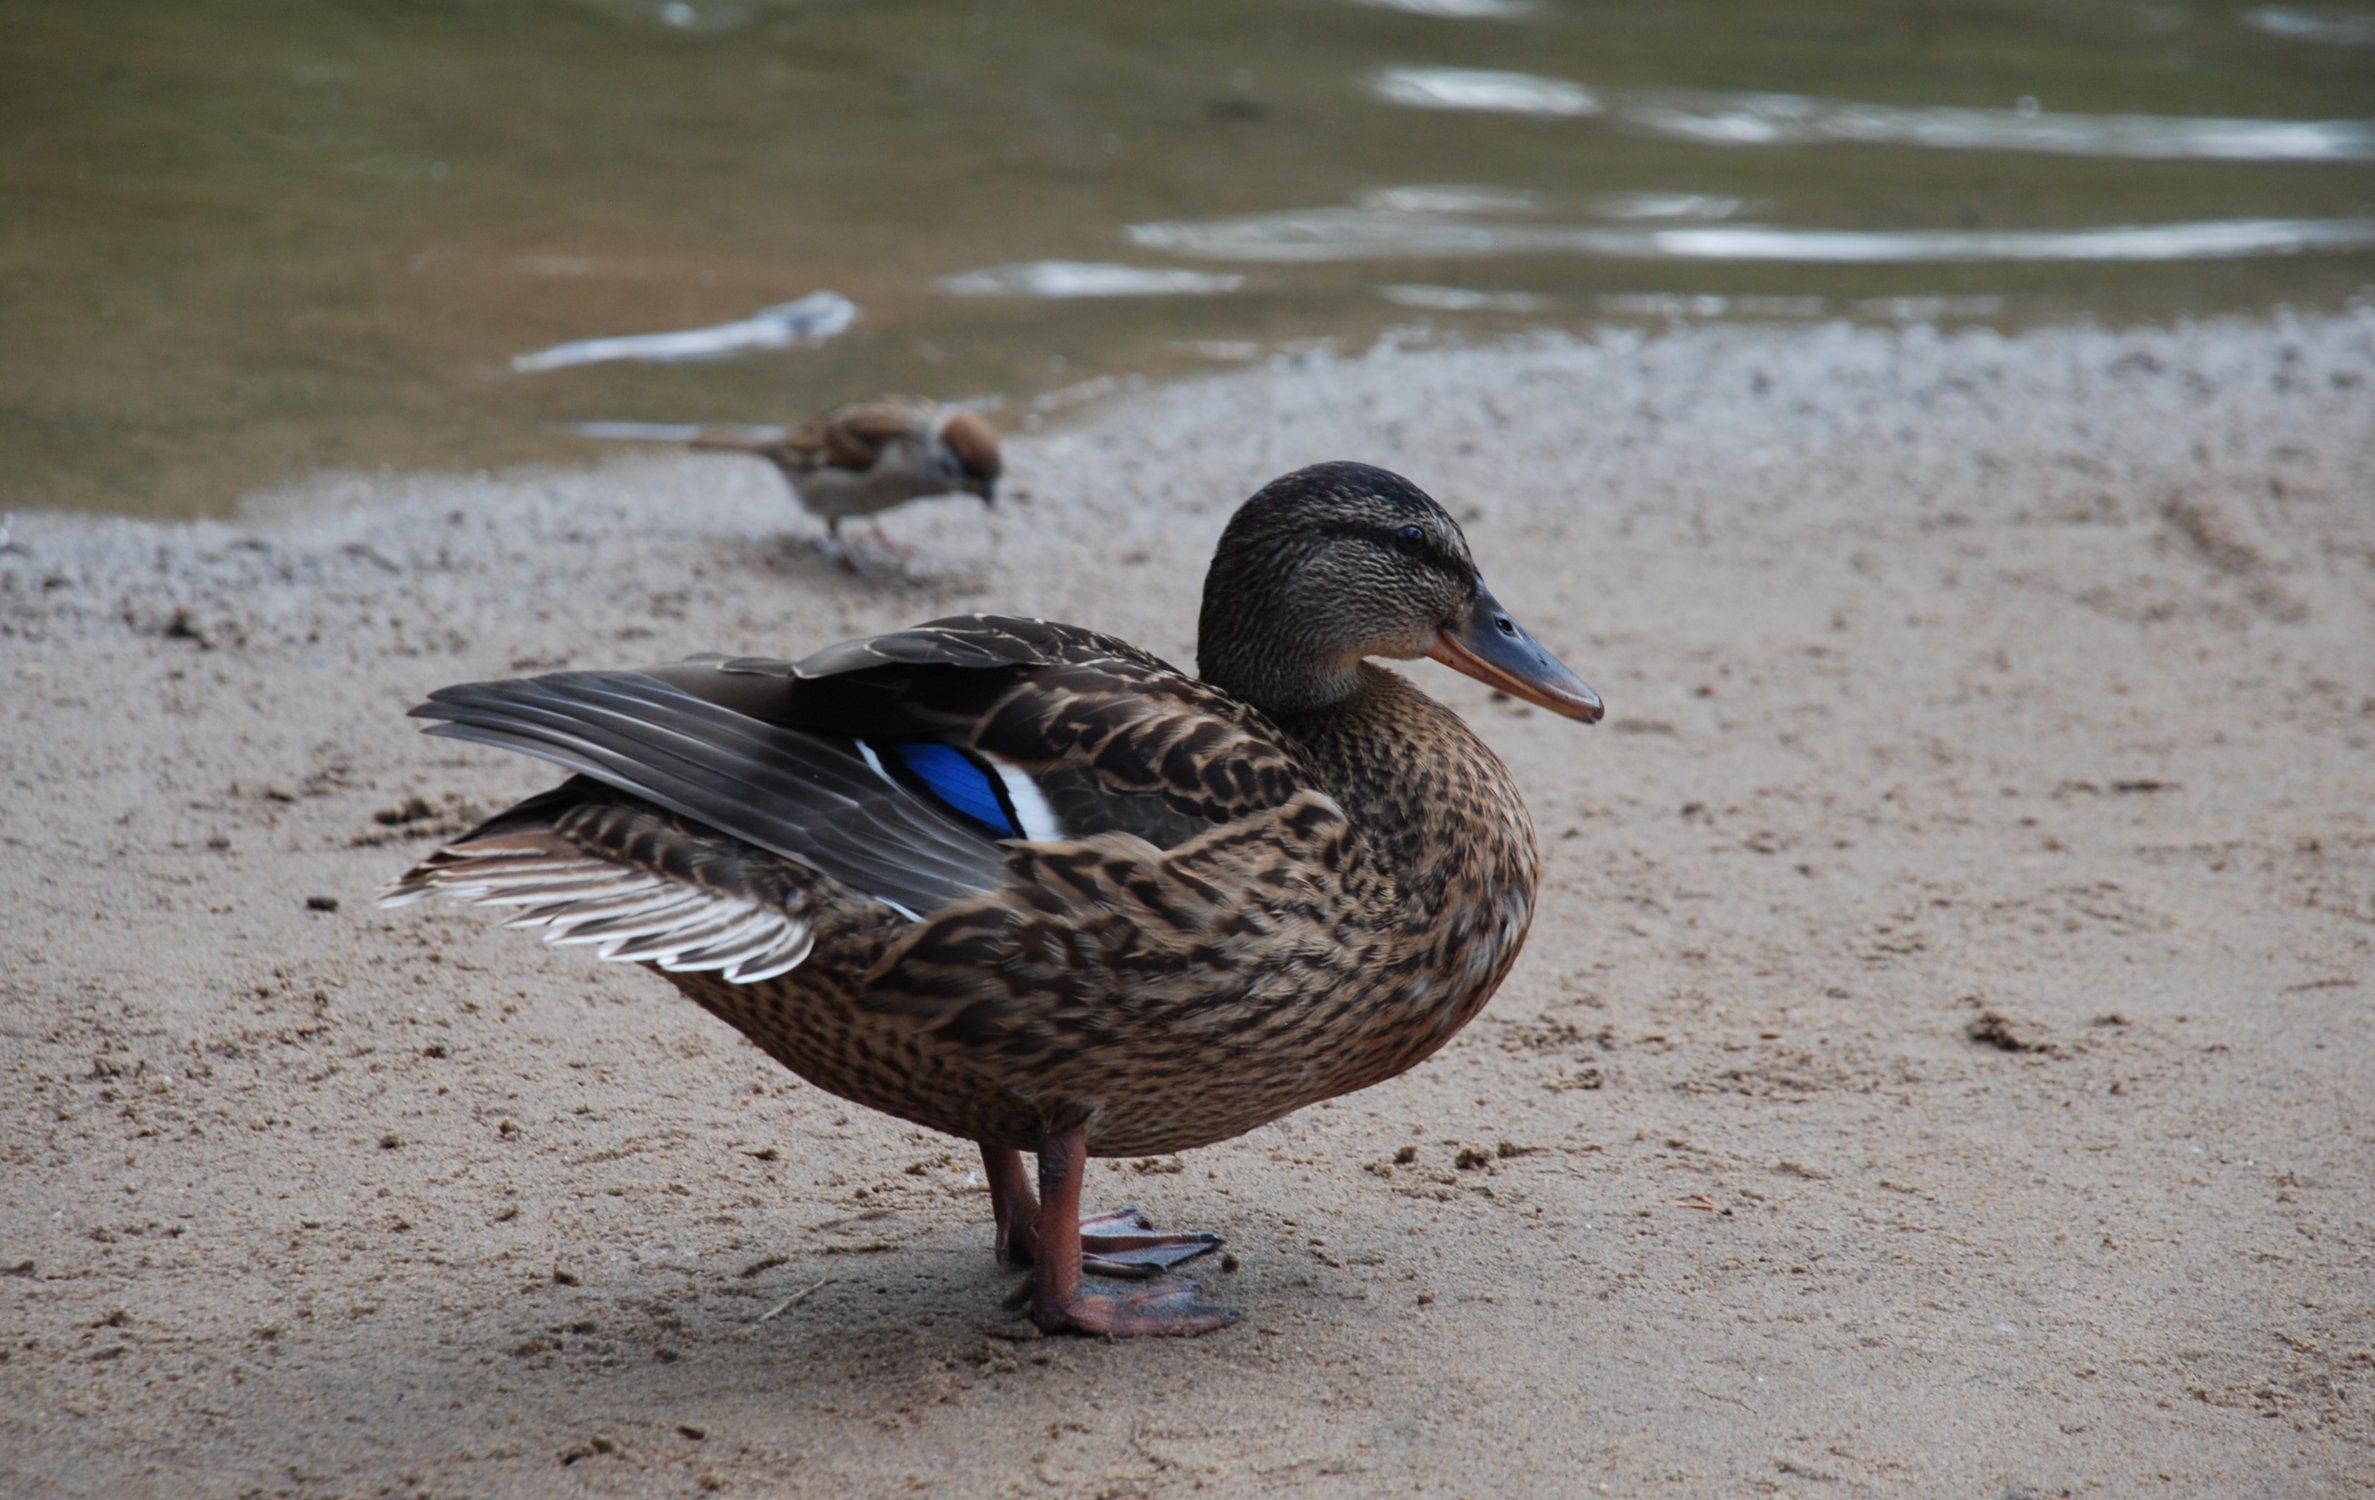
{"x":1937,"y":1064}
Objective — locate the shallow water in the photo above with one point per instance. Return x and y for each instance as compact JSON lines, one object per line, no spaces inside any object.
{"x":241,"y":240}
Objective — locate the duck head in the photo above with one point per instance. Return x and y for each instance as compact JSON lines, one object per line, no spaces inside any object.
{"x":1341,"y":561}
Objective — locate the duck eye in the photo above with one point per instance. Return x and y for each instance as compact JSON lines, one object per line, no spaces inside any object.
{"x":1411,"y":538}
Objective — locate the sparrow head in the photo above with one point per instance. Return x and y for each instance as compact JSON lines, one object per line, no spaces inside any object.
{"x":1341,"y":561}
{"x":969,"y":450}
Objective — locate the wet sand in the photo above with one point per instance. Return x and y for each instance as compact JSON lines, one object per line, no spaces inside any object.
{"x":1941,"y":1064}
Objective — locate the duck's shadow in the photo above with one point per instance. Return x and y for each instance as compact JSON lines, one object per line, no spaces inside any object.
{"x":690,"y":1340}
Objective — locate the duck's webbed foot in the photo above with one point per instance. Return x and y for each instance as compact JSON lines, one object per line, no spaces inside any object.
{"x":1123,"y":1243}
{"x":1156,"y":1310}
{"x":1126,"y":1243}
{"x":1060,"y":1247}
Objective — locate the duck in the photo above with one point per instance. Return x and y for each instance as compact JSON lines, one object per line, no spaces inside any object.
{"x":863,"y":457}
{"x":1030,"y":886}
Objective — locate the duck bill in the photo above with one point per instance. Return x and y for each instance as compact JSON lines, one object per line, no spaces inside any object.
{"x":1494,"y":649}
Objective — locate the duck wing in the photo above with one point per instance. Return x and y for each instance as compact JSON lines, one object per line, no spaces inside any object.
{"x":811,"y":798}
{"x":1081,"y":732}
{"x":588,"y":864}
{"x":902,"y":766}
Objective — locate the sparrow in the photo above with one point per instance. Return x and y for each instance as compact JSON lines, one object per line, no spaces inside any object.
{"x":867,"y":456}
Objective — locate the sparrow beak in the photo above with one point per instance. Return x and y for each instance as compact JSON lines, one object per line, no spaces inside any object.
{"x":1495,"y":650}
{"x":988,"y":491}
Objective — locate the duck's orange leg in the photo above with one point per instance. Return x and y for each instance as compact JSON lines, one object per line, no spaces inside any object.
{"x":1124,"y":1242}
{"x":1012,"y":1203}
{"x":1060,"y":1302}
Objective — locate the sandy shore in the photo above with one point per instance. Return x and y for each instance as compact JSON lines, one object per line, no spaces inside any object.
{"x":1942,"y":1065}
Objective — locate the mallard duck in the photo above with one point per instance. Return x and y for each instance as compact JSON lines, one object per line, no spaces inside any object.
{"x":1031,"y":886}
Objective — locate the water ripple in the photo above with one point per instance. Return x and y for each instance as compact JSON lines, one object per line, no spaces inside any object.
{"x":1336,"y":234}
{"x":1712,"y":118}
{"x":1449,"y":199}
{"x":1666,"y":206}
{"x":1313,"y":236}
{"x":809,"y":320}
{"x":1483,"y":90}
{"x":2339,"y":28}
{"x":1718,"y":119}
{"x":1461,"y":299}
{"x":1459,"y":10}
{"x":2209,"y":239}
{"x":1077,"y":278}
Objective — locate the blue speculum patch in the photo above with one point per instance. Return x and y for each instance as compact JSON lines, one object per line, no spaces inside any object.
{"x":958,"y":780}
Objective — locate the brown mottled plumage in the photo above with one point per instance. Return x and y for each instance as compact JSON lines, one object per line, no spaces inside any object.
{"x":1029,"y":885}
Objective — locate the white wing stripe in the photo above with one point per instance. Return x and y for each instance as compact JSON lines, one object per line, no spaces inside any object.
{"x":873,"y":762}
{"x":1031,"y":812}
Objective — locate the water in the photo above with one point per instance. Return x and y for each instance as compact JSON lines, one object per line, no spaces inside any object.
{"x":243,"y":240}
